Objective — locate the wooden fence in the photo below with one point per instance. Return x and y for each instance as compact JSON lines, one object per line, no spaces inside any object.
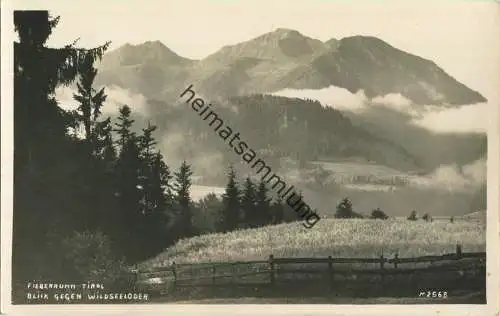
{"x":273,"y":269}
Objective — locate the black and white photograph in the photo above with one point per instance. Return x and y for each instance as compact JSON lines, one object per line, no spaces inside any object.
{"x":238,"y":154}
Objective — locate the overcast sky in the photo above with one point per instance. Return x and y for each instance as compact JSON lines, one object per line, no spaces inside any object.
{"x":463,"y":37}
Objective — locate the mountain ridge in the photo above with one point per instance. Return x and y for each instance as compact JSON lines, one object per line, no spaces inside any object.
{"x":285,"y":58}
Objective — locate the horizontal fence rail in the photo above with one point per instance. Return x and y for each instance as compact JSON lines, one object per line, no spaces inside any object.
{"x":269,"y":272}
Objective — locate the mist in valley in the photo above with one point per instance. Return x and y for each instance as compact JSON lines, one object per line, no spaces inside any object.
{"x":450,"y":144}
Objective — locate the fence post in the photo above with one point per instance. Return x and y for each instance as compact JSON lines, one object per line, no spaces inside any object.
{"x":461,"y":272}
{"x":330,"y":271}
{"x":213,"y":274}
{"x":136,"y":276}
{"x":382,"y":270}
{"x":459,"y":251}
{"x":396,"y":260}
{"x":233,"y":272}
{"x":271,"y":268}
{"x":175,"y":275}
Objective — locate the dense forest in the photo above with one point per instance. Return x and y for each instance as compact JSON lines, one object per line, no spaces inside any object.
{"x":312,"y":131}
{"x":279,"y":127}
{"x":91,"y":194}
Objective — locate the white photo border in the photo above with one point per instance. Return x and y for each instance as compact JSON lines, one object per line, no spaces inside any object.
{"x":492,"y":245}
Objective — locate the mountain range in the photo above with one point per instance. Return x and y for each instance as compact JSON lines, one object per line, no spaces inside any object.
{"x":287,"y":59}
{"x":284,"y":59}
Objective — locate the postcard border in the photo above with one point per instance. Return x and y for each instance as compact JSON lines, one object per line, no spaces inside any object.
{"x":492,"y":245}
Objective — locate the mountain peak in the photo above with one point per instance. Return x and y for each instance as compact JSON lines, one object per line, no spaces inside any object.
{"x":279,"y":45}
{"x":146,"y":46}
{"x":286,"y":32}
{"x":151,"y":52}
{"x":282,"y":33}
{"x":332,"y":43}
{"x":367,"y":41}
{"x":154,"y":44}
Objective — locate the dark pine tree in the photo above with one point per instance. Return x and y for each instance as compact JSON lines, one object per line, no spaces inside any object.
{"x":183,"y":199}
{"x":147,"y":145}
{"x":278,"y":210}
{"x":103,"y":148}
{"x":160,"y":202}
{"x":263,"y":203}
{"x":413,"y":216}
{"x":95,"y":187}
{"x":426,"y":217}
{"x":378,"y":214}
{"x":106,"y":157}
{"x":344,"y":209}
{"x":162,"y":181}
{"x":124,"y":126}
{"x":47,"y":164}
{"x":129,"y":191}
{"x":90,"y":100}
{"x":156,"y":199}
{"x":231,"y":201}
{"x":248,"y":204}
{"x":209,"y":214}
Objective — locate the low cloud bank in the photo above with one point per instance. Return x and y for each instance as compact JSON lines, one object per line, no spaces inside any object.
{"x":336,"y":97}
{"x":465,"y":119}
{"x":454,"y":177}
{"x":476,"y":171}
{"x":116,"y":97}
{"x":177,"y":146}
{"x":472,"y":118}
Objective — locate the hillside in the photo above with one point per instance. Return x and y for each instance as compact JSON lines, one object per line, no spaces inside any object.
{"x":307,"y":130}
{"x":377,"y":68}
{"x":335,"y":237}
{"x":144,"y":68}
{"x":432,"y":149}
{"x":284,"y":59}
{"x":278,"y":127}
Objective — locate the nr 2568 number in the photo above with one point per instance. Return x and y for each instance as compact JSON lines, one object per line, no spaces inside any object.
{"x":433,"y":294}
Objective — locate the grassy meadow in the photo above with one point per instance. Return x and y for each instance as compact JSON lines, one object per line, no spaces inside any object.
{"x":336,"y":237}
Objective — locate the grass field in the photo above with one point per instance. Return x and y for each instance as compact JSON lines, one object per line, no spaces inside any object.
{"x":335,"y":237}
